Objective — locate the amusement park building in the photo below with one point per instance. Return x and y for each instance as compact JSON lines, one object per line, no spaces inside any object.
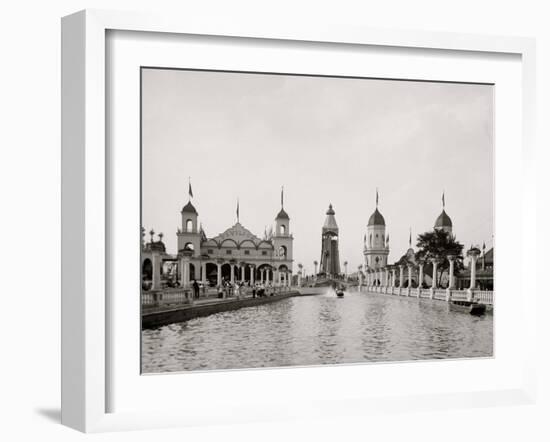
{"x":235,"y":255}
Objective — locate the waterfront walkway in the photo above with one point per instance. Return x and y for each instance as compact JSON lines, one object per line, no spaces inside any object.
{"x":171,"y":306}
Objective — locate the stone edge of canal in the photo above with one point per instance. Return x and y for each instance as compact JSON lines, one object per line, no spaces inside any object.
{"x":185,"y":313}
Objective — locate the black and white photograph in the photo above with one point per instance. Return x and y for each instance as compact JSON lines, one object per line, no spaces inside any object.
{"x":300,"y":220}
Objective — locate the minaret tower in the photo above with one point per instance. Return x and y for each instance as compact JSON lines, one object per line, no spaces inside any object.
{"x":189,"y":236}
{"x":282,"y":238}
{"x":330,"y":257}
{"x":377,"y":247}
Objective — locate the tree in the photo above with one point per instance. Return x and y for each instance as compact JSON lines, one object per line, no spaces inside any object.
{"x":438,"y":245}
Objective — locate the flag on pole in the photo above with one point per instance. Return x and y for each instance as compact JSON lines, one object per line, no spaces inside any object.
{"x":190,"y":189}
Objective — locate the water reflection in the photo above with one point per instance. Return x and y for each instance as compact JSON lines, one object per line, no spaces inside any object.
{"x":317,"y":330}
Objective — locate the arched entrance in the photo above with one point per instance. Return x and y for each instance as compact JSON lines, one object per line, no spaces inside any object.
{"x":211,"y":273}
{"x":146,"y":274}
{"x":226,"y":272}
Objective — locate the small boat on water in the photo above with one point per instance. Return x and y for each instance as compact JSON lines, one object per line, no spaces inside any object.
{"x":474,"y":308}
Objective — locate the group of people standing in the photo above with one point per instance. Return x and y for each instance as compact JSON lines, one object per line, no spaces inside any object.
{"x":227,"y":289}
{"x":240,"y":288}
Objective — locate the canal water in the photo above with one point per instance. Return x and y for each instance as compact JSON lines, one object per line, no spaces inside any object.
{"x":321,"y":329}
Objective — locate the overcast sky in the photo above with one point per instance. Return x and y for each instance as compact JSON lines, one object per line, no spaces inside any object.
{"x":326,"y":140}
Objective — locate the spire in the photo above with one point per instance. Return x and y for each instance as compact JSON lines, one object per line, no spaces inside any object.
{"x":443,"y":200}
{"x":282,"y":197}
{"x":410,"y":237}
{"x":377,"y":197}
{"x":237,"y":210}
{"x":190,"y":190}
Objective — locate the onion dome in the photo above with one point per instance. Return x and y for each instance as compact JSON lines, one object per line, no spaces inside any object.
{"x":189,"y":208}
{"x":443,"y":221}
{"x":282,"y":214}
{"x":376,"y":219}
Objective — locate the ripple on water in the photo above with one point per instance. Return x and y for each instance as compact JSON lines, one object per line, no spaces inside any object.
{"x":315,"y":330}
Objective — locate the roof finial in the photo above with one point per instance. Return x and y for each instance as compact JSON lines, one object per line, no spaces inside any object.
{"x":410,"y":237}
{"x":377,"y":197}
{"x":237,"y":209}
{"x":282,"y":196}
{"x":190,"y":190}
{"x":443,"y":199}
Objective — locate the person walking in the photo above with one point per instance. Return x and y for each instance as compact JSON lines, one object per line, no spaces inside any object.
{"x":196,"y":289}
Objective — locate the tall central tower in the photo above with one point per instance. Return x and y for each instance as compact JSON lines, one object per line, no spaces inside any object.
{"x":330,"y":257}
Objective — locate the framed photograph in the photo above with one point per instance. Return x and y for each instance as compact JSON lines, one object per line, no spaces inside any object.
{"x":270,"y":222}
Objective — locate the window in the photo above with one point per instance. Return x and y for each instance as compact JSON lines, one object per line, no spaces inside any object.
{"x":189,"y":225}
{"x":247,"y":252}
{"x":210,"y":251}
{"x":264,"y":252}
{"x":282,"y":229}
{"x":228,"y":252}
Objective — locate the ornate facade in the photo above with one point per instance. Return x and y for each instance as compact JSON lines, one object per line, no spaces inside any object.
{"x":235,"y":255}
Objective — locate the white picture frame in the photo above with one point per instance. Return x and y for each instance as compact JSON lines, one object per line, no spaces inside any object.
{"x":85,"y":201}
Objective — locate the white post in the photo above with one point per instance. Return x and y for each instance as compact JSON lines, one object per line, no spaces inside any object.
{"x":473,"y":260}
{"x":409,"y":277}
{"x":156,"y":272}
{"x":420,"y":278}
{"x":451,"y":272}
{"x":434,"y":274}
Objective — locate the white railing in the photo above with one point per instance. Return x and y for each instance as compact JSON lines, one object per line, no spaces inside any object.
{"x":165,"y":297}
{"x":459,"y":295}
{"x":425,"y":293}
{"x":483,"y":296}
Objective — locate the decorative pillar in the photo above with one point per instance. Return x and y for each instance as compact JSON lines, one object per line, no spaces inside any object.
{"x":473,"y":254}
{"x":156,"y":264}
{"x":203,"y":273}
{"x":434,"y":278}
{"x":451,"y":272}
{"x":252,"y":274}
{"x":420,"y":278}
{"x":409,"y":279}
{"x":219,"y":281}
{"x":434,"y":273}
{"x":242,"y":273}
{"x":232,"y":274}
{"x":401,"y":278}
{"x":393,"y":278}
